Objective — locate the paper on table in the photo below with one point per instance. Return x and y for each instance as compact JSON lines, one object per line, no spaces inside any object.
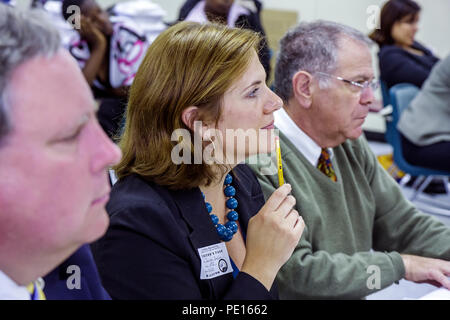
{"x":439,"y":294}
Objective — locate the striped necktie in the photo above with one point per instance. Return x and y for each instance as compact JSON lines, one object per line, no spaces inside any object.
{"x":35,"y":291}
{"x":325,"y":166}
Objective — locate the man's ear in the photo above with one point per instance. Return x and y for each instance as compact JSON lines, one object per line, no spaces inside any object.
{"x":302,"y":86}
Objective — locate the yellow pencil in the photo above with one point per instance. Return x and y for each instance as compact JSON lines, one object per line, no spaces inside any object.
{"x":279,"y":164}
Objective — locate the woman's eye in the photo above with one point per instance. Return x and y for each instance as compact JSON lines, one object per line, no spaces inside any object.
{"x":252,"y":94}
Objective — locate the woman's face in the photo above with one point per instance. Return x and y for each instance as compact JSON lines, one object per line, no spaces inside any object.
{"x":98,"y":16}
{"x":246,"y":125}
{"x":404,"y":30}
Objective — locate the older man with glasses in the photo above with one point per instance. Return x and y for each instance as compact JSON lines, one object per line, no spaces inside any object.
{"x":362,"y":235}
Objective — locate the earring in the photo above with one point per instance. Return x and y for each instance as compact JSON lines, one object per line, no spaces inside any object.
{"x":209,"y":156}
{"x":214,"y":146}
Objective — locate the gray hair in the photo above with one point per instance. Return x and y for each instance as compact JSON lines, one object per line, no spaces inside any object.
{"x":311,"y":47}
{"x":23,"y":36}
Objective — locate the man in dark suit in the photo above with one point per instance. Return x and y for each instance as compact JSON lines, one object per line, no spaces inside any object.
{"x":53,"y":156}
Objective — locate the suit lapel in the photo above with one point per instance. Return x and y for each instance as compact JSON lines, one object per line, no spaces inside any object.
{"x":192,"y":208}
{"x":191,"y":205}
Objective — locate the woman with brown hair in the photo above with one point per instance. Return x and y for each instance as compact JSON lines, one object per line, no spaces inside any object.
{"x":187,"y":220}
{"x":401,"y":58}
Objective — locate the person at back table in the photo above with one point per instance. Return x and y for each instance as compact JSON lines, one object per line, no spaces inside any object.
{"x":425,"y":125}
{"x":196,"y":227}
{"x":240,"y":14}
{"x":401,"y":57}
{"x":357,"y":220}
{"x":109,"y":52}
{"x":54,"y":158}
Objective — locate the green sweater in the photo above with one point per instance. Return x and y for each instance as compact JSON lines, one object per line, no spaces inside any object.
{"x":363,"y":210}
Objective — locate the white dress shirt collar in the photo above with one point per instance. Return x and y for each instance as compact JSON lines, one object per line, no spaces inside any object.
{"x":9,"y":290}
{"x":304,"y":144}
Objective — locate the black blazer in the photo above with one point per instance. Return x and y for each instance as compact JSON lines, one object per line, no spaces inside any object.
{"x":150,"y":248}
{"x":398,"y":65}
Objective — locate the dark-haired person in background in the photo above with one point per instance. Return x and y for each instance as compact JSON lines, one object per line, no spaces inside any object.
{"x":401,"y":58}
{"x":241,"y":14}
{"x":109,"y":55}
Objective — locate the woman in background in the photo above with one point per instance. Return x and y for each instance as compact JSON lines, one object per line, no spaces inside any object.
{"x":197,"y":229}
{"x":401,"y":58}
{"x":425,"y":125}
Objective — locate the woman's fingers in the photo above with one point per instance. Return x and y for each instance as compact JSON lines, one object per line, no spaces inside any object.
{"x":286,"y":206}
{"x":277,"y":197}
{"x":299,"y":227}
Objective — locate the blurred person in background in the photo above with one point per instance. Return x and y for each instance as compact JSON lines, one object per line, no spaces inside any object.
{"x":109,"y":55}
{"x":240,"y":14}
{"x":425,"y":125}
{"x":401,"y":58}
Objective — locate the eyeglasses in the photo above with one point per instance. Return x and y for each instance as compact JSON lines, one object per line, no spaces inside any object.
{"x":374,"y":84}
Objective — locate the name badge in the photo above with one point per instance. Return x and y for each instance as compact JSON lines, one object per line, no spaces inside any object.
{"x":215,"y":261}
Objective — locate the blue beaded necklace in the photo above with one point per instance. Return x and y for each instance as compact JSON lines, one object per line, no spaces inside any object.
{"x":227,"y":231}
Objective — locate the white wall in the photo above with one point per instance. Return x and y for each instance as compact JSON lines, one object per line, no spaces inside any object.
{"x":434,"y":24}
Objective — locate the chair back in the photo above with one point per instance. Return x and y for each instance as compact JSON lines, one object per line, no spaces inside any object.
{"x":384,"y":93}
{"x":400,"y":97}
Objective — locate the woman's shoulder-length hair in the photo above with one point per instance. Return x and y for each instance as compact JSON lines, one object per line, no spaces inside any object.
{"x":187,"y":65}
{"x":392,"y":12}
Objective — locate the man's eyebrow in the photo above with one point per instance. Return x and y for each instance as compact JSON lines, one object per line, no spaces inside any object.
{"x":72,"y":129}
{"x":84,"y":119}
{"x":364,"y":77}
